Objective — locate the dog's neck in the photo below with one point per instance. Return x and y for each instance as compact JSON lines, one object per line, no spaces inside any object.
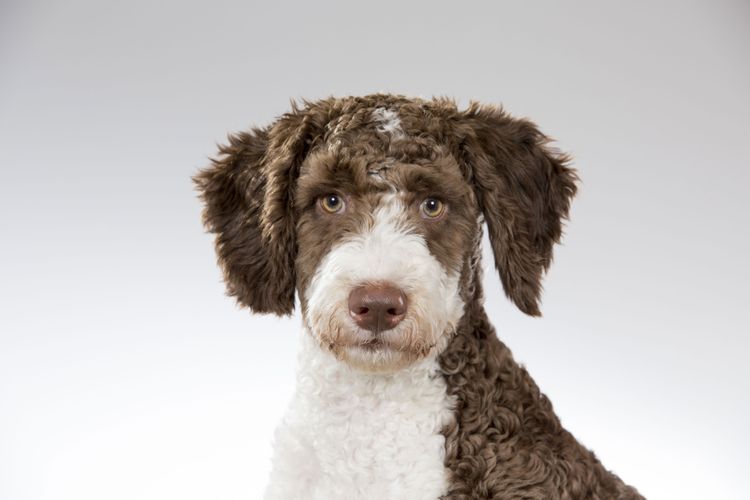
{"x":352,"y":434}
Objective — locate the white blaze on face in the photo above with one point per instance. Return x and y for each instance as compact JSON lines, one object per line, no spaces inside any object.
{"x":387,"y":250}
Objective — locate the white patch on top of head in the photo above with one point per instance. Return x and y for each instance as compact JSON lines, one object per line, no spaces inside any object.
{"x":334,"y":145}
{"x":386,"y":250}
{"x":388,"y":122}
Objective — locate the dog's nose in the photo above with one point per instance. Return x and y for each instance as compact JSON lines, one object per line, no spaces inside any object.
{"x":377,"y":307}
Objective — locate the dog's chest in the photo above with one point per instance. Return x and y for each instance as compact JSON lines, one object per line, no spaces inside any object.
{"x":360,"y":436}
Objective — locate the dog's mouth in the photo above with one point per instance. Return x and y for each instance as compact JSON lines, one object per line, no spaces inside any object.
{"x":373,"y":344}
{"x":390,"y":341}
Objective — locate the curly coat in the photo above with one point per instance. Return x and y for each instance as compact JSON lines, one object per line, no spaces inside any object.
{"x":505,"y":441}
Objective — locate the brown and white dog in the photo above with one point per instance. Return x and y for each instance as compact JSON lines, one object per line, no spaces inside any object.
{"x":371,"y":209}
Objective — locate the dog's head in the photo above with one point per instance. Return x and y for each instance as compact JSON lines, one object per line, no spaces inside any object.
{"x":371,"y":209}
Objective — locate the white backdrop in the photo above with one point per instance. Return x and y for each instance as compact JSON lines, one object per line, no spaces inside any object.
{"x":124,"y":371}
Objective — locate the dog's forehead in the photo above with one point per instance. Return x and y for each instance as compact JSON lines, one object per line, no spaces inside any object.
{"x":377,"y":171}
{"x":377,"y":147}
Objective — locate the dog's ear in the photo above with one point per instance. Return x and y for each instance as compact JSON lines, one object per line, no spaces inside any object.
{"x":247,"y":204}
{"x":524,"y":190}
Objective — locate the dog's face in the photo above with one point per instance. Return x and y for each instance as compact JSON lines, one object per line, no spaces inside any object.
{"x":371,"y":209}
{"x":382,"y":241}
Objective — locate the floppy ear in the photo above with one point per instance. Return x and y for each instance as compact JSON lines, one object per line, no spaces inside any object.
{"x":524,"y":190}
{"x":247,"y":197}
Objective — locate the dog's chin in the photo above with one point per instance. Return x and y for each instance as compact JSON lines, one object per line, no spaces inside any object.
{"x":375,"y":357}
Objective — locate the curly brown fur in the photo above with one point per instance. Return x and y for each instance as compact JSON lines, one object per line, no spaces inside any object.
{"x":524,"y":190}
{"x":507,"y":442}
{"x":247,"y":193}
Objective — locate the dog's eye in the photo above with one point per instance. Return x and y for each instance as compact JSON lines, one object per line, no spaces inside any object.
{"x":432,"y":208}
{"x":332,"y":203}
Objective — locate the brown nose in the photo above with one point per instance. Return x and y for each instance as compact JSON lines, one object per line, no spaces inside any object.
{"x":377,"y":307}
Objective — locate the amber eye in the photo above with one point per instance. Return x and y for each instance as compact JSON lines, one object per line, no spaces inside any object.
{"x":332,"y":203}
{"x":432,"y":208}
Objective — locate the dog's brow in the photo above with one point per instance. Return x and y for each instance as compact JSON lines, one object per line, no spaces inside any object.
{"x":420,"y":179}
{"x":378,"y":169}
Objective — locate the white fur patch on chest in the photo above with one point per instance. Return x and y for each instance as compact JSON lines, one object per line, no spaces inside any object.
{"x":353,"y":435}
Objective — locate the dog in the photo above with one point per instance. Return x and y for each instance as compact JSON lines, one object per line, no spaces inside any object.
{"x":371,"y":210}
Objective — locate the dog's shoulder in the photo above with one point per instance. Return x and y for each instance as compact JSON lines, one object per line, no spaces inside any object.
{"x":507,"y":440}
